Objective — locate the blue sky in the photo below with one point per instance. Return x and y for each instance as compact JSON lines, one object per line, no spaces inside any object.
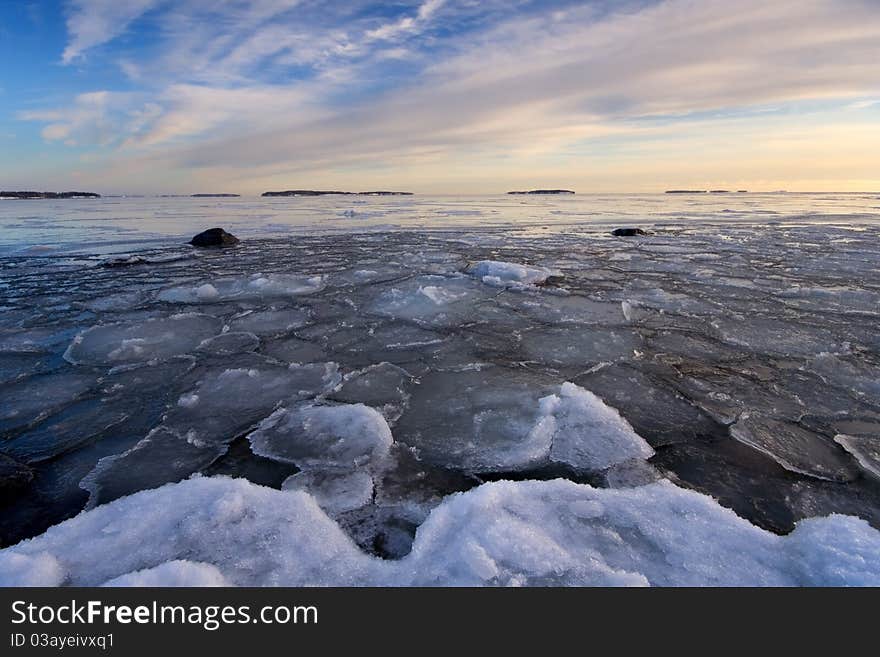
{"x":439,"y":95}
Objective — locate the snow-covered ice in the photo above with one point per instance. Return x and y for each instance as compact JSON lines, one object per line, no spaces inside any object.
{"x":587,"y":434}
{"x":505,"y":533}
{"x":510,"y":274}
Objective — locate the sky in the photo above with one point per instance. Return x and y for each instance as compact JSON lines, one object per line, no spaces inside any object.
{"x":439,"y":96}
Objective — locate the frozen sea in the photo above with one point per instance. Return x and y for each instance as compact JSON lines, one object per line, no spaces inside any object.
{"x":433,"y":390}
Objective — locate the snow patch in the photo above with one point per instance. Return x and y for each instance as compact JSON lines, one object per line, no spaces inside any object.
{"x":203,"y":531}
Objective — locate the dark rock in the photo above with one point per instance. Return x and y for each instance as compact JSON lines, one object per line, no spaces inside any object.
{"x":13,"y":475}
{"x":214,"y":237}
{"x":685,"y":191}
{"x":628,"y":232}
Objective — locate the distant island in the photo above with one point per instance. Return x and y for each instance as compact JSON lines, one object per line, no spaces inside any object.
{"x":215,"y":195}
{"x":545,"y":191}
{"x":312,"y":192}
{"x":49,"y":195}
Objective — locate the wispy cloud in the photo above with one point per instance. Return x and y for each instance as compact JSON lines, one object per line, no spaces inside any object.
{"x":407,"y":24}
{"x":92,"y":23}
{"x":246,"y":89}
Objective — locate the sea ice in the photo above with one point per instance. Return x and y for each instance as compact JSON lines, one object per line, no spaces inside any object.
{"x":37,"y":397}
{"x":477,"y":420}
{"x":656,"y":412}
{"x":256,"y":286}
{"x":33,"y":340}
{"x":777,"y":337}
{"x":323,"y":436}
{"x":587,"y":434}
{"x":865,"y":449}
{"x":270,"y":322}
{"x":858,"y":377}
{"x":68,"y":429}
{"x":559,"y":309}
{"x":294,"y":350}
{"x":509,"y":274}
{"x":795,"y":448}
{"x":228,"y":401}
{"x":499,"y":420}
{"x":429,"y":300}
{"x":114,"y":344}
{"x":336,"y":492}
{"x":579,"y":347}
{"x":383,"y":386}
{"x":233,"y":342}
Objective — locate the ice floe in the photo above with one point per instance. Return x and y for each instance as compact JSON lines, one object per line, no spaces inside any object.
{"x":495,"y":420}
{"x":509,"y":274}
{"x":865,"y":449}
{"x":114,"y":344}
{"x":323,"y":436}
{"x":256,"y":286}
{"x":587,"y":434}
